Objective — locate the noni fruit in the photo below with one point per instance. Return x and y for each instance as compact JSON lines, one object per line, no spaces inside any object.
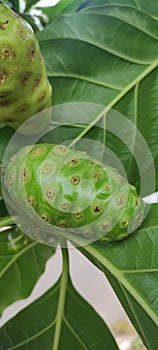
{"x":24,"y":87}
{"x":71,"y":190}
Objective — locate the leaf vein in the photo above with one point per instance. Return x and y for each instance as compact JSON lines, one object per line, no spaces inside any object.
{"x":74,"y":333}
{"x":87,"y":79}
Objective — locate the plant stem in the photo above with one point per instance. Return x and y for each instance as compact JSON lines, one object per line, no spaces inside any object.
{"x":7,"y":221}
{"x":62,"y":298}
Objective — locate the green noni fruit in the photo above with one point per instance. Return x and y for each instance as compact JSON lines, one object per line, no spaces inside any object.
{"x":71,"y":190}
{"x":24,"y":87}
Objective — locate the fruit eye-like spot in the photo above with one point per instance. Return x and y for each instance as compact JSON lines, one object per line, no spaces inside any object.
{"x":42,"y":97}
{"x":10,"y":121}
{"x":107,"y":187}
{"x":120,"y":200}
{"x":24,"y":174}
{"x":37,"y":82}
{"x":7,"y":53}
{"x":5,"y":103}
{"x":4,"y":24}
{"x":124,"y":222}
{"x":136,"y":202}
{"x":11,"y":180}
{"x":28,"y":149}
{"x":44,"y":217}
{"x":79,"y":215}
{"x":3,"y":76}
{"x":75,"y":180}
{"x":96,"y":175}
{"x":97,"y":207}
{"x":22,"y":33}
{"x":51,"y":194}
{"x":87,"y":233}
{"x":13,"y":157}
{"x":40,"y":109}
{"x":25,"y":79}
{"x":62,"y":223}
{"x":4,"y":94}
{"x":73,"y":162}
{"x":22,"y":108}
{"x":64,"y":205}
{"x":47,"y":169}
{"x":32,"y":52}
{"x":61,"y":149}
{"x":37,"y":152}
{"x":139,"y":218}
{"x":106,"y":226}
{"x":94,"y":162}
{"x":119,"y":178}
{"x":31,"y":200}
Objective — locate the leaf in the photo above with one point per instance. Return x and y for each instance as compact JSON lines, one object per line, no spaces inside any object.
{"x":62,"y":7}
{"x":132,"y":269}
{"x":87,"y":61}
{"x":61,"y":319}
{"x":149,"y":7}
{"x":22,"y":262}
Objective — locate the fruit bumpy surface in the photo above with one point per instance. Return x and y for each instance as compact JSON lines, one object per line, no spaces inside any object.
{"x":24,"y":87}
{"x":71,"y":190}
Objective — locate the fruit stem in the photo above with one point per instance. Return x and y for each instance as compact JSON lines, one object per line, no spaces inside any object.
{"x":62,"y":294}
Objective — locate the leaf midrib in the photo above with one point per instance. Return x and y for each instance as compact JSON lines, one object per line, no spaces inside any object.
{"x":124,"y":91}
{"x":62,"y":299}
{"x":85,"y":78}
{"x":139,"y":271}
{"x":121,"y":278}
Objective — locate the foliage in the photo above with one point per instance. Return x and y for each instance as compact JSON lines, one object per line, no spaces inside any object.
{"x":106,"y":52}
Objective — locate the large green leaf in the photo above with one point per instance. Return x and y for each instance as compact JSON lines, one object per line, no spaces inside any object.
{"x":61,"y":319}
{"x":132,"y":269}
{"x":108,"y":57}
{"x":22,"y":262}
{"x":150,"y":7}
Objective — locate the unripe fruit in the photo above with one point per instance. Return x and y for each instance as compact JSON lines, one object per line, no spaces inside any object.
{"x":24,"y":87}
{"x":69,"y":189}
